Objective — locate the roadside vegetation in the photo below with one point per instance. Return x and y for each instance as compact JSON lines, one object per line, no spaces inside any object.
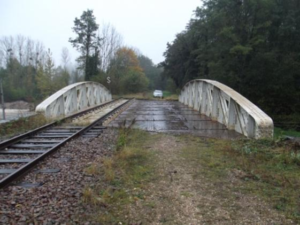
{"x":251,"y":46}
{"x":28,"y":71}
{"x":154,"y":177}
{"x":149,"y":95}
{"x":122,"y":178}
{"x":279,"y":132}
{"x":21,"y":126}
{"x":265,"y":168}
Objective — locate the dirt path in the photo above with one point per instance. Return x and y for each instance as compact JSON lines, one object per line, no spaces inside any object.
{"x":183,"y":193}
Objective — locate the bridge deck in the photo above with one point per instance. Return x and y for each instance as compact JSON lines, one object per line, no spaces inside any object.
{"x":171,"y":117}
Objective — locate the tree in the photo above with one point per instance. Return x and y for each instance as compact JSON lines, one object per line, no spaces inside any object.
{"x":65,"y":57}
{"x":86,"y":40}
{"x":64,"y":71}
{"x":134,"y":81}
{"x":51,"y":79}
{"x":251,"y":45}
{"x":76,"y":75}
{"x":28,"y":69}
{"x":125,"y":72}
{"x":152,"y":72}
{"x":111,"y":41}
{"x":45,"y":76}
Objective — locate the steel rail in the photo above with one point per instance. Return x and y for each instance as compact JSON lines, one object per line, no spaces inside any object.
{"x":20,"y":137}
{"x":25,"y":168}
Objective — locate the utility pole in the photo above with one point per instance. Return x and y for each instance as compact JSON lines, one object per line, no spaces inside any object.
{"x":2,"y":99}
{"x":10,"y":52}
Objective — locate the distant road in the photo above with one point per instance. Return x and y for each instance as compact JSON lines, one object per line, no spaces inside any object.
{"x":13,"y":114}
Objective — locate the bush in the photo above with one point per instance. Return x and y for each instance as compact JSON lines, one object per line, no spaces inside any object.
{"x":134,"y":81}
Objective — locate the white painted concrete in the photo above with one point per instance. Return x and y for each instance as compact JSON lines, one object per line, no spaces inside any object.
{"x":74,"y":98}
{"x":223,"y":104}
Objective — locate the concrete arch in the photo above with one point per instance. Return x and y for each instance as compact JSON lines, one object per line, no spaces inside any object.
{"x":74,"y":98}
{"x":223,"y":104}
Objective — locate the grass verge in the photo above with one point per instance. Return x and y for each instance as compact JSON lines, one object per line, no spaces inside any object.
{"x":149,"y":95}
{"x":278,"y":132}
{"x":264,"y":168}
{"x":218,"y":170}
{"x":122,"y":178}
{"x":21,"y":125}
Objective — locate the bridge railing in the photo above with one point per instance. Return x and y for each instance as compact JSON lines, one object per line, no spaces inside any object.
{"x":74,"y":98}
{"x":223,"y":104}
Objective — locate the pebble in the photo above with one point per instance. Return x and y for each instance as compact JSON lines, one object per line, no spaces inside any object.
{"x":58,"y":200}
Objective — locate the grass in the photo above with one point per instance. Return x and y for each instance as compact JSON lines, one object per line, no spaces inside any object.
{"x":278,"y":132}
{"x":149,"y":95}
{"x":122,"y":177}
{"x":22,"y":125}
{"x":269,"y":169}
{"x":170,"y":96}
{"x":264,"y":168}
{"x":141,"y":95}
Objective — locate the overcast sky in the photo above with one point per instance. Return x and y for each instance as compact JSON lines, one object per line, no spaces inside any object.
{"x":145,"y":24}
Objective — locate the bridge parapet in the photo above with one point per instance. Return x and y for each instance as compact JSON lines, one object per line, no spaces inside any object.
{"x":74,"y":98}
{"x":223,"y":104}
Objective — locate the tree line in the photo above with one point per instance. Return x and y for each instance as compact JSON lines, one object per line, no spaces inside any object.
{"x":251,"y":45}
{"x":29,"y":72}
{"x":104,"y":58}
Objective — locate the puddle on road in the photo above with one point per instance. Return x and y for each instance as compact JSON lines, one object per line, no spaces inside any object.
{"x":171,"y":117}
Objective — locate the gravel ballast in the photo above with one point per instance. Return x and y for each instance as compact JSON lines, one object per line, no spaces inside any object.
{"x":59,"y":199}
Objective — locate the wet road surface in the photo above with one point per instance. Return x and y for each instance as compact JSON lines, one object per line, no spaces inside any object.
{"x":171,"y":117}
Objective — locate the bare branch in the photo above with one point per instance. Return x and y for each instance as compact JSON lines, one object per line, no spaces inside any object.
{"x":65,"y":57}
{"x":111,"y":42}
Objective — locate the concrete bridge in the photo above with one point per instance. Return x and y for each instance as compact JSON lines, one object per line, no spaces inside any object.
{"x":74,"y":98}
{"x":205,"y":107}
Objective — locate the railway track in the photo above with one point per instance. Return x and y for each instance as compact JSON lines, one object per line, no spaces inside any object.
{"x":20,"y":154}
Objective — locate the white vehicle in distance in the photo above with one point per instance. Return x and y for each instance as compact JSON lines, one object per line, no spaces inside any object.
{"x":158,"y":93}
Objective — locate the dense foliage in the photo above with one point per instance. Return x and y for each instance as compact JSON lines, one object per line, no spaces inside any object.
{"x":28,"y":71}
{"x":251,"y":45}
{"x":124,"y":74}
{"x":152,"y":72}
{"x":105,"y":60}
